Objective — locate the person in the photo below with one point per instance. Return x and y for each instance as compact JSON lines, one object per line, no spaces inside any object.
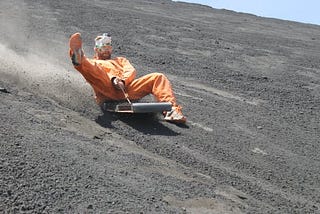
{"x":108,"y":76}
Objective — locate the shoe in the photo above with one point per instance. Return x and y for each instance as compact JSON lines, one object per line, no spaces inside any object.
{"x":76,"y":51}
{"x":175,"y":115}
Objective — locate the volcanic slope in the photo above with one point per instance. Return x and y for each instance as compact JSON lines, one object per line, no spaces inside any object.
{"x":249,"y":86}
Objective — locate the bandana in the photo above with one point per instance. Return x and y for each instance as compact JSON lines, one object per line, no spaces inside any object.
{"x":104,"y":40}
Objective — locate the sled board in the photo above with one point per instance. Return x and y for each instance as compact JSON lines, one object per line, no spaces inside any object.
{"x":138,"y":107}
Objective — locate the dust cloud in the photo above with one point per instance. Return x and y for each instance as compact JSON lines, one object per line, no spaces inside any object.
{"x":37,"y":63}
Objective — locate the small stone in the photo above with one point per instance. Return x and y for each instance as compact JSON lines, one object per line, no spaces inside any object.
{"x":4,"y":90}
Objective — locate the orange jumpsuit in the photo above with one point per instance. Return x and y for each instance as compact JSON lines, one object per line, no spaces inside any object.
{"x":99,"y":73}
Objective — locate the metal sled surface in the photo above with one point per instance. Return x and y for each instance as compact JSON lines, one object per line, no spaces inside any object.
{"x":138,"y":107}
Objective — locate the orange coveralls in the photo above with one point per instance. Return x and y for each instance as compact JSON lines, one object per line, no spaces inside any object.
{"x":99,"y":73}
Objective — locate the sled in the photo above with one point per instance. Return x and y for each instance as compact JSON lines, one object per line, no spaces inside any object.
{"x":137,"y":107}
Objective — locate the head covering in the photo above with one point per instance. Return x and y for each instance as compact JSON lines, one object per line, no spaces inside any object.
{"x":103,"y":40}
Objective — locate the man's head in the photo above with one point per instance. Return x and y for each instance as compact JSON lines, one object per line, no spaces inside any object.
{"x":103,"y":48}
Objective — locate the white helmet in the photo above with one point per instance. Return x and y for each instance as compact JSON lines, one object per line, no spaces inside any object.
{"x":103,"y":40}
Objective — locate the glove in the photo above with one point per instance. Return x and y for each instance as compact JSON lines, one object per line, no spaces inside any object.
{"x":118,"y":83}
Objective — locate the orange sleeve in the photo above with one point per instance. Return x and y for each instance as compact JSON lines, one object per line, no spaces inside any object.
{"x":129,"y":72}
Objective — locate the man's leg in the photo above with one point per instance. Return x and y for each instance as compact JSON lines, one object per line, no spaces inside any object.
{"x":158,"y":85}
{"x":154,"y":83}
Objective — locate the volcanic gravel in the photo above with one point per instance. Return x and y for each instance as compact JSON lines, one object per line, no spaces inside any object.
{"x":249,"y":86}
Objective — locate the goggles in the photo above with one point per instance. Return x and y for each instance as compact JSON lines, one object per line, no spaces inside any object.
{"x":106,"y":47}
{"x":103,"y":41}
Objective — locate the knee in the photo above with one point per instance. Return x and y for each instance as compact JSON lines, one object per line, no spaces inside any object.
{"x":159,"y":75}
{"x":156,"y":76}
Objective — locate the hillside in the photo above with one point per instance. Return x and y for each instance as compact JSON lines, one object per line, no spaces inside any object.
{"x":249,"y":86}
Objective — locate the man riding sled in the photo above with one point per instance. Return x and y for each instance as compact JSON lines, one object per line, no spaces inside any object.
{"x":110,"y":76}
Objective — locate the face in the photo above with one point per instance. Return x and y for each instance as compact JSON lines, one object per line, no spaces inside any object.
{"x":104,"y":52}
